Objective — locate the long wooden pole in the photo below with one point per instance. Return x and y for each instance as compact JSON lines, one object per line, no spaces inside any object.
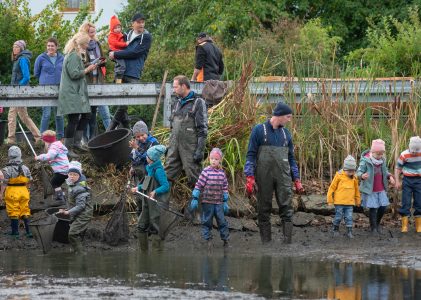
{"x":158,"y":101}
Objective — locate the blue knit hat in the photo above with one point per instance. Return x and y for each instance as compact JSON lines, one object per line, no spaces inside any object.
{"x":155,"y":152}
{"x":281,"y":109}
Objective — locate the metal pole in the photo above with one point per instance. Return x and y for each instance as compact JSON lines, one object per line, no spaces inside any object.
{"x":26,"y":138}
{"x":160,"y":205}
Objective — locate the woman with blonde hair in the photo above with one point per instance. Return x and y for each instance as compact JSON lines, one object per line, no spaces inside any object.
{"x":94,"y":52}
{"x":73,"y":98}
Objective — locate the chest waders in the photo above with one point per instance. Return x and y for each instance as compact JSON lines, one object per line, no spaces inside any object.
{"x":183,"y":143}
{"x":151,"y":219}
{"x":273,"y":173}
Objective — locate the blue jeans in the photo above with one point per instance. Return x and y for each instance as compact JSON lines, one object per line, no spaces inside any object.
{"x":208,"y":212}
{"x":45,"y":121}
{"x":343,"y":212}
{"x":104,"y":113}
{"x":411,"y":187}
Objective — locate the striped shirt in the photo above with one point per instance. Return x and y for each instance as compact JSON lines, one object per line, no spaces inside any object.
{"x":57,"y":157}
{"x":409,"y":163}
{"x":212,"y":184}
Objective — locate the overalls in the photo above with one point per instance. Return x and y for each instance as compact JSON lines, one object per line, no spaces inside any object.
{"x":183,"y":143}
{"x":273,"y":173}
{"x":17,"y":196}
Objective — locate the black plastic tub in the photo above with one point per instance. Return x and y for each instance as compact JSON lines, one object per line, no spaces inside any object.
{"x":61,"y":232}
{"x":111,"y":147}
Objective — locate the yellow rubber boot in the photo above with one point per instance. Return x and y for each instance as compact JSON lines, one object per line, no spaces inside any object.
{"x":418,"y":224}
{"x":404,"y":224}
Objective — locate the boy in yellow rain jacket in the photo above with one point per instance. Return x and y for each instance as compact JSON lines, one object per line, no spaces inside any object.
{"x":344,"y":194}
{"x":16,"y":177}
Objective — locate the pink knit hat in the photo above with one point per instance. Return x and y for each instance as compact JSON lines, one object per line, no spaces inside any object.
{"x":377,"y":146}
{"x":216,"y":152}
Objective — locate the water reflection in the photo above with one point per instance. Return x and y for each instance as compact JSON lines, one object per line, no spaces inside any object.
{"x":265,"y":276}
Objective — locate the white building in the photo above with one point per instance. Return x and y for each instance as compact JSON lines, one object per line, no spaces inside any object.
{"x":109,"y":7}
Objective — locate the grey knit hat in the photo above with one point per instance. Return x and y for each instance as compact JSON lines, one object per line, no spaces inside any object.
{"x":75,"y":167}
{"x":140,"y":127}
{"x":415,"y":144}
{"x":15,"y":153}
{"x":350,"y":163}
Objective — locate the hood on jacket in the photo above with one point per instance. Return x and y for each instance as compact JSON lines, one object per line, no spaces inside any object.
{"x":24,"y":53}
{"x":113,"y":23}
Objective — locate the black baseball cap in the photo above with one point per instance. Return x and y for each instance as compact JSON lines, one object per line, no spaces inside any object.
{"x":138,"y":16}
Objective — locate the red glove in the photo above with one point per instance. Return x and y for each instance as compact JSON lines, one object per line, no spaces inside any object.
{"x":250,"y":189}
{"x":298,"y":186}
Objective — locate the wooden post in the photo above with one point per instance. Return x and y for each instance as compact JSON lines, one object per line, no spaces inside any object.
{"x":158,"y":101}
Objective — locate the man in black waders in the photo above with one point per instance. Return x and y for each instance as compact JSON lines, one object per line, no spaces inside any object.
{"x":270,"y":165}
{"x":189,"y":130}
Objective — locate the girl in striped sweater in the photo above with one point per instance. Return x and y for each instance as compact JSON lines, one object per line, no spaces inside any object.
{"x":57,"y":158}
{"x":213,"y":185}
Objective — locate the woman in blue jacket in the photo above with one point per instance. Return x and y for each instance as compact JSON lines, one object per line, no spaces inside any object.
{"x":47,"y":69}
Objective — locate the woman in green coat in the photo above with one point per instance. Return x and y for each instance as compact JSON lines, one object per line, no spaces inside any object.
{"x":73,"y":100}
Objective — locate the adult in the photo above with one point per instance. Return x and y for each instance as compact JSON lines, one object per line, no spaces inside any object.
{"x":208,"y":60}
{"x":73,"y":98}
{"x":134,"y":56}
{"x":47,"y":69}
{"x":270,"y":159}
{"x":97,"y":76}
{"x":20,"y":76}
{"x":189,"y":130}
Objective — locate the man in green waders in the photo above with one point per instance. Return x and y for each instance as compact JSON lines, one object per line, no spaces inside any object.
{"x":270,"y":166}
{"x":189,"y":129}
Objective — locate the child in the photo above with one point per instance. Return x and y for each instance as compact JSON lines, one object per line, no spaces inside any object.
{"x":16,"y":193}
{"x":140,"y":144}
{"x":213,"y":185}
{"x":117,"y":42}
{"x":155,"y":184}
{"x":81,"y":208}
{"x":344,"y":194}
{"x":409,"y":164}
{"x":374,"y":176}
{"x":57,"y":157}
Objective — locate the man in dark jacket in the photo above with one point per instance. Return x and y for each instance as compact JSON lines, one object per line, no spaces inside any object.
{"x":189,"y":130}
{"x":134,"y":55}
{"x":208,"y":60}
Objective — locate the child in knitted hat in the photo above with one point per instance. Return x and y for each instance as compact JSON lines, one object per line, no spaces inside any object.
{"x":15,"y":179}
{"x":409,"y":164}
{"x":80,"y":205}
{"x":344,"y":194}
{"x":141,"y":142}
{"x":374,"y":178}
{"x":57,"y":158}
{"x":213,"y":185}
{"x":156,"y":186}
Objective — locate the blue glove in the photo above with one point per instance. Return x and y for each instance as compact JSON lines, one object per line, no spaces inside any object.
{"x":225,"y":197}
{"x":226,"y":208}
{"x":194,"y":204}
{"x":196,"y":193}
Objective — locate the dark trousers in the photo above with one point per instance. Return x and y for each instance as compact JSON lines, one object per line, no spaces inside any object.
{"x":58,"y":179}
{"x":76,"y":122}
{"x":411,"y":187}
{"x":208,"y":212}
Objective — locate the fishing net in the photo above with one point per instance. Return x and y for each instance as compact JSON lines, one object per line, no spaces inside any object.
{"x":117,"y":229}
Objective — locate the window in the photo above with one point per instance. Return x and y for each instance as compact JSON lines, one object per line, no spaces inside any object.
{"x":75,"y":5}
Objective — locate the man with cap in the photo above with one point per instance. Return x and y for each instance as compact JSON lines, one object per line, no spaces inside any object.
{"x":134,"y":56}
{"x":270,"y":166}
{"x":208,"y":60}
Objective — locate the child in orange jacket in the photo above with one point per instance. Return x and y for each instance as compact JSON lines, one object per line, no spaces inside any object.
{"x":117,"y":41}
{"x":344,"y":194}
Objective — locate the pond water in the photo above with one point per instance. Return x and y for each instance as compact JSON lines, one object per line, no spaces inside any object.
{"x":129,"y":275}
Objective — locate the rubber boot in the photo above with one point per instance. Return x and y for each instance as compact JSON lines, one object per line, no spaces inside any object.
{"x":68,"y":142}
{"x":418,"y":224}
{"x":14,"y":224}
{"x":335,"y":231}
{"x":265,"y":233}
{"x":28,"y":232}
{"x":404,"y":224}
{"x":113,"y":125}
{"x":373,"y":220}
{"x":349,"y":233}
{"x":143,"y":241}
{"x":157,"y":243}
{"x":76,"y":243}
{"x":287,"y":232}
{"x":380,"y":213}
{"x":77,"y":144}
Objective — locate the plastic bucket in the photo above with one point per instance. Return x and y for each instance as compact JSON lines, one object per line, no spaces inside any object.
{"x":111,"y":147}
{"x":43,"y":230}
{"x":61,"y":230}
{"x":3,"y":127}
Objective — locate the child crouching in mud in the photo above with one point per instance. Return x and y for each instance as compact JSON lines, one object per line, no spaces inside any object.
{"x":344,"y":194}
{"x":79,"y":201}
